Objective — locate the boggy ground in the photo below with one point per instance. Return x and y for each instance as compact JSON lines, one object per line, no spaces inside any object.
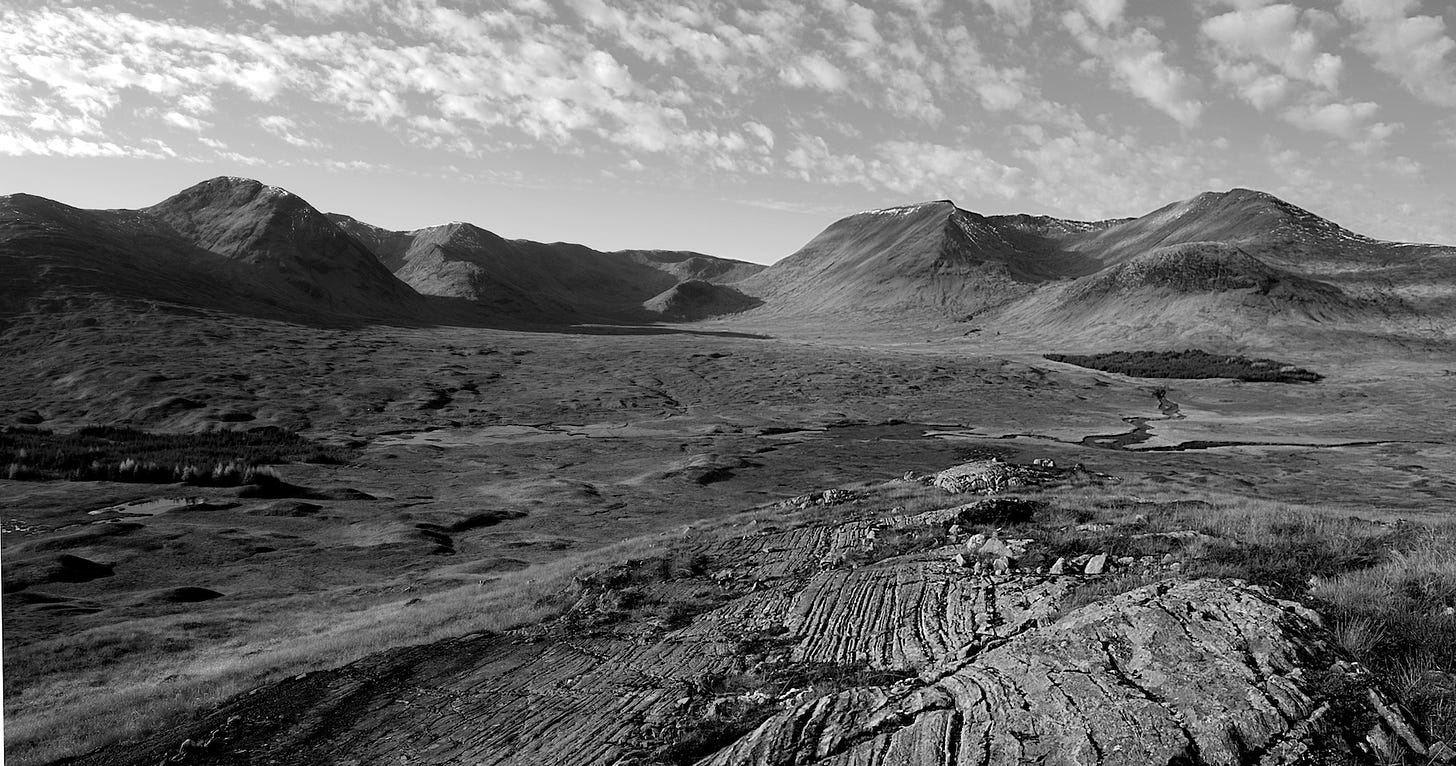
{"x":485,"y":468}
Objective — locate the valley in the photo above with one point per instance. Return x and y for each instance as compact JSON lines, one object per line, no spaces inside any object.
{"x":622,"y":538}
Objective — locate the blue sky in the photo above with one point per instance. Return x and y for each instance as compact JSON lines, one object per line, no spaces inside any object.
{"x":737,"y":129}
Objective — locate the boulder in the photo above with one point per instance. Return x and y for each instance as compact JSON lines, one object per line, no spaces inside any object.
{"x":1096,"y":565}
{"x":982,"y":477}
{"x":1058,"y":566}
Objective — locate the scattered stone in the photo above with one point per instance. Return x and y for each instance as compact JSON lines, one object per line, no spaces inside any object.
{"x":974,"y":542}
{"x":1058,"y":566}
{"x":961,"y":561}
{"x":996,"y":547}
{"x":1001,"y":565}
{"x":1081,"y":561}
{"x":1096,"y":565}
{"x":1125,"y":561}
{"x":1167,"y":559}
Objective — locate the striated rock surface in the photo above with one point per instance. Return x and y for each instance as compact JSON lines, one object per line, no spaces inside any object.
{"x":1200,"y":672}
{"x":799,"y":657}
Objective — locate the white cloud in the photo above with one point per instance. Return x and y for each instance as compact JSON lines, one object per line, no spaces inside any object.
{"x":1260,"y":88}
{"x":1139,"y":65}
{"x":763,"y":132}
{"x":183,"y":121}
{"x":285,"y":129}
{"x":1105,"y":12}
{"x":1018,"y":12}
{"x":814,"y":71}
{"x":1352,"y":121}
{"x":1413,"y":49}
{"x":1280,"y":36}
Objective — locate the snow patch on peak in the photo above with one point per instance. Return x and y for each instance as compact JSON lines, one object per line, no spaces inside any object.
{"x":904,"y":210}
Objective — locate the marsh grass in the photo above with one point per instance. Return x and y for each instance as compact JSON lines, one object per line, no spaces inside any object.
{"x":1190,"y":363}
{"x":108,"y":453}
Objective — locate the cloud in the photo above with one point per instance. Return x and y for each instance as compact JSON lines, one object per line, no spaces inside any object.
{"x":1415,"y":50}
{"x":815,"y":71}
{"x":1018,"y":12}
{"x":1105,"y":13}
{"x":1139,"y":65}
{"x":1250,"y":41}
{"x":183,"y":121}
{"x":1352,"y":121}
{"x":285,"y":129}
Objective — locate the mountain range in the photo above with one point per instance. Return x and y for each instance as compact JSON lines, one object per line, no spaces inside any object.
{"x":1228,"y":265}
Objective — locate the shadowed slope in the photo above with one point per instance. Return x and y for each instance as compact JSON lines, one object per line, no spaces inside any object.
{"x":536,"y":280}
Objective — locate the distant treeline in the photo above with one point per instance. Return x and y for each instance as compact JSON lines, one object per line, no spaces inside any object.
{"x":108,"y":453}
{"x":1191,"y":363}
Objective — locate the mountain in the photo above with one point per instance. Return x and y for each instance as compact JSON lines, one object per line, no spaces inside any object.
{"x":927,"y":256}
{"x":58,"y":254}
{"x":227,"y":244}
{"x":283,"y":236}
{"x":535,"y":280}
{"x":1216,"y":265}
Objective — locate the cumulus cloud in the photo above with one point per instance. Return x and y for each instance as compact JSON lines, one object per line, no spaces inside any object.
{"x":1261,"y":48}
{"x":1139,"y":65}
{"x":1414,"y":49}
{"x":1353,"y":121}
{"x":815,"y":71}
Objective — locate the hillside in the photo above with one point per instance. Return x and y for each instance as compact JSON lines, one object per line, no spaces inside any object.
{"x":538,"y":280}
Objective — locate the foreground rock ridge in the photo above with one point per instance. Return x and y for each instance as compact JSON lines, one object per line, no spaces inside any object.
{"x":914,"y":658}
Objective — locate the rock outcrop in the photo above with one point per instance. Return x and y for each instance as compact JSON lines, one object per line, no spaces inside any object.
{"x":802,"y":659}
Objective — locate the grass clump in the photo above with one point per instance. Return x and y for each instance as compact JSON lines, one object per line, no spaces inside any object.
{"x":1190,"y":363}
{"x":110,"y":453}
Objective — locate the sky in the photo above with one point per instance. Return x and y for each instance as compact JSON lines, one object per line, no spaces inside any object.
{"x":738,"y":129}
